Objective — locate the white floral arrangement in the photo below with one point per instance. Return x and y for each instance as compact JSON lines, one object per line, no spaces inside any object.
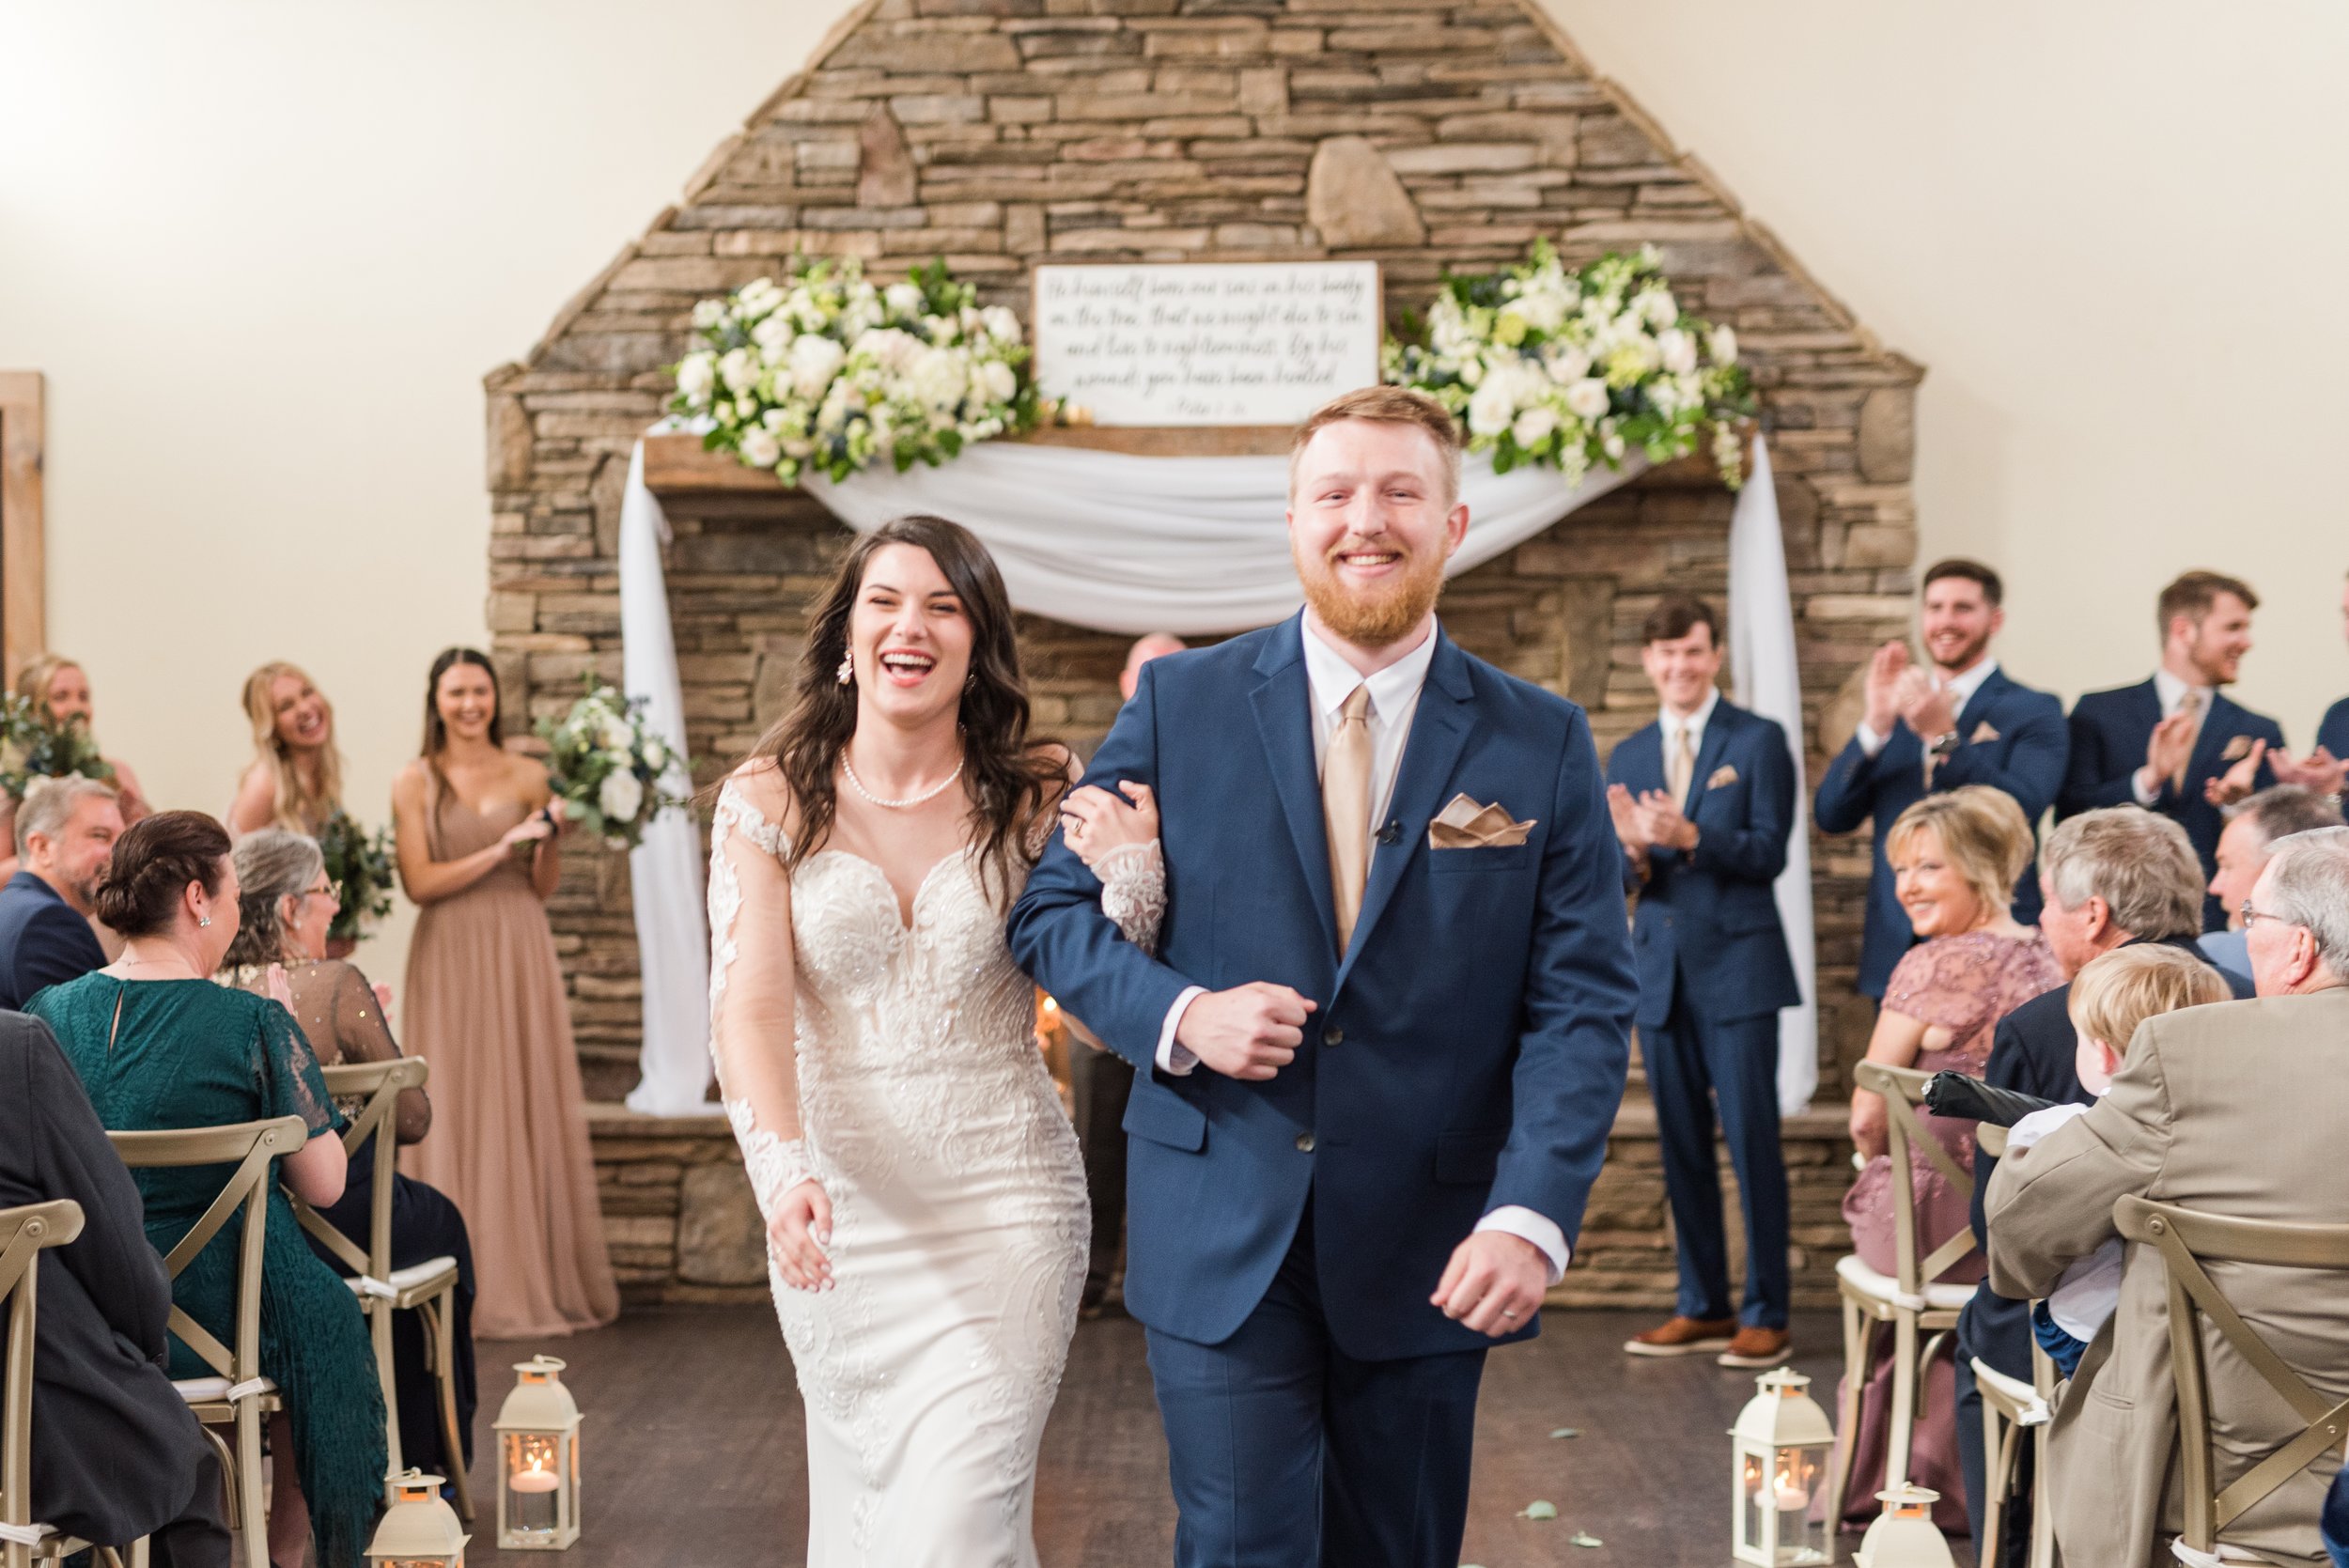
{"x":1547,"y":365}
{"x":828,"y":373}
{"x":607,"y":768}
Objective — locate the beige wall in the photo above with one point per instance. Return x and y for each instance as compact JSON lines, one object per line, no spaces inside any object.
{"x":264,"y":252}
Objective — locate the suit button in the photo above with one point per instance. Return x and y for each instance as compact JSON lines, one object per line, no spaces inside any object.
{"x":1304,"y":1143}
{"x":1333,"y":1035}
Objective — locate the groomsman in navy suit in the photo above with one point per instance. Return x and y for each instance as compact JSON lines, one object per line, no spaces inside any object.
{"x":2326,"y":768}
{"x":1703,"y":802}
{"x":1958,"y":721}
{"x":2176,"y":744}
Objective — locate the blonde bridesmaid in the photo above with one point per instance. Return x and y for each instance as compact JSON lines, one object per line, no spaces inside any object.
{"x":295,"y":781}
{"x":476,"y":830}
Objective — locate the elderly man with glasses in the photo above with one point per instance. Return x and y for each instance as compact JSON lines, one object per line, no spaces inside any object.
{"x":2239,"y":1109}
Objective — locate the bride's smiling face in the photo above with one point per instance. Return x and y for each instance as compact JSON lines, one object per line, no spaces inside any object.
{"x":910,"y":635}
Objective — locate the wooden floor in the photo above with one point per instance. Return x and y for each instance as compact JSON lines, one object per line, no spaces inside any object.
{"x":692,"y":1444}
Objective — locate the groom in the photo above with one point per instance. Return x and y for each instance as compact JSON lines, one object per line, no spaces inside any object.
{"x":1385,"y":1033}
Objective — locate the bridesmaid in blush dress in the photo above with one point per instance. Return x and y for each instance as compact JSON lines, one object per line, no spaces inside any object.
{"x":476,"y":835}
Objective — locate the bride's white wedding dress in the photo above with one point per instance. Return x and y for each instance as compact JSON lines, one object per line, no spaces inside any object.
{"x":959,"y":1218}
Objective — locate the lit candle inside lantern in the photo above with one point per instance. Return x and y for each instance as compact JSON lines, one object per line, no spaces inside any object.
{"x":1790,"y":1497}
{"x":535,"y":1479}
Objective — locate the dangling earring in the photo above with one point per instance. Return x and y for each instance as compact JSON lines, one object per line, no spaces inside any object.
{"x":847,"y":668}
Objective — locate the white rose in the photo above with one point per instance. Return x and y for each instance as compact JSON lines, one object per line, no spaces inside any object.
{"x":1533,"y":425}
{"x":621,"y":797}
{"x":1723,"y":345}
{"x":1492,"y":407}
{"x":998,"y":381}
{"x":938,"y":377}
{"x":1613,"y":443}
{"x":815,"y":359}
{"x":656,"y":752}
{"x":888,"y":347}
{"x":1565,"y":362}
{"x":615,"y":733}
{"x":903,"y":299}
{"x":760,"y":449}
{"x":1658,"y":307}
{"x":1001,"y":324}
{"x":1545,"y":310}
{"x":739,"y":370}
{"x":697,"y":377}
{"x":1677,"y":349}
{"x":1587,"y":399}
{"x":707,"y":314}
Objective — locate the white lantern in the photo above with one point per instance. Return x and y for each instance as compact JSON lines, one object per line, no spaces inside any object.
{"x":419,"y":1530}
{"x":1779,"y":1463}
{"x":1904,"y":1535}
{"x":537,"y":1430}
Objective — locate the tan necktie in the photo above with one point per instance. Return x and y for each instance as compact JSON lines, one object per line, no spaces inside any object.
{"x":2191,"y":705}
{"x":1681,"y":767}
{"x":1345,"y":810}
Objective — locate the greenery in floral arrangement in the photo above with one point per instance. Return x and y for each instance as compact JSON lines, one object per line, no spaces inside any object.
{"x":359,"y":863}
{"x":1547,"y":365}
{"x":828,"y":373}
{"x":37,"y":747}
{"x":607,"y":767}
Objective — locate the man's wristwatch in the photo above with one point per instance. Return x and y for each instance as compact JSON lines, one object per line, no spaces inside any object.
{"x":1943,"y":744}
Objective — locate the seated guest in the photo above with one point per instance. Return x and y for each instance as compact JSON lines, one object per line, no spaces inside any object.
{"x":1959,"y":721}
{"x":2175,"y":744}
{"x":2326,"y":770}
{"x":157,"y":1045}
{"x":65,"y":830}
{"x":286,"y":906}
{"x":2253,"y":825}
{"x":2108,"y":1000}
{"x":117,"y":1453}
{"x":1957,"y":857}
{"x":2109,"y":879}
{"x":1704,"y":802}
{"x":2234,"y":1110}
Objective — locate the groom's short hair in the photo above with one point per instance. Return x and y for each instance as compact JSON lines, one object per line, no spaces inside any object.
{"x":1388,"y":405}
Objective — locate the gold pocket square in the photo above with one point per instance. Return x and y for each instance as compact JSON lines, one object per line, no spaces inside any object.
{"x":2237,"y":749}
{"x":1464,"y":825}
{"x":1722,"y":777}
{"x":1982,"y":734}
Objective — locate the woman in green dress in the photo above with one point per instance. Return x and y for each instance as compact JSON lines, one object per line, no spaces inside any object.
{"x":159,"y":1046}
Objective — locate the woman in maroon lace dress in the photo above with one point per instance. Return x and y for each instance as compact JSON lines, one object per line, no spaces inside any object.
{"x":1956,"y":856}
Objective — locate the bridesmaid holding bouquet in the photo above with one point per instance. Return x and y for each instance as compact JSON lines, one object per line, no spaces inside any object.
{"x":476,"y":830}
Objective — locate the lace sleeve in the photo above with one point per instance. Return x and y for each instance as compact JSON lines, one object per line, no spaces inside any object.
{"x":751,"y":1036}
{"x":365,"y":1035}
{"x":1133,"y":891}
{"x":291,"y":1084}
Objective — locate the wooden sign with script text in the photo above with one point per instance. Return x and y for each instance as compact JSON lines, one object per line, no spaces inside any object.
{"x":1254,"y":343}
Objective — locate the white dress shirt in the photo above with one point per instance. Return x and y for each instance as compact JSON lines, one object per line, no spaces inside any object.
{"x":1961,"y":687}
{"x":2172,"y":691}
{"x":1393,"y":700}
{"x":1671,"y":724}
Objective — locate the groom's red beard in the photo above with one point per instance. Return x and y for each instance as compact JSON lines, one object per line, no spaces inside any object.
{"x":1375,"y":616}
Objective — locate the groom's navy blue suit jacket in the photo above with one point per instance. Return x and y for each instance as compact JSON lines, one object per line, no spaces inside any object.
{"x":1469,"y":1048}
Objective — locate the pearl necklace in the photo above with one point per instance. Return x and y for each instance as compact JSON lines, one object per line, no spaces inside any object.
{"x":858,"y":785}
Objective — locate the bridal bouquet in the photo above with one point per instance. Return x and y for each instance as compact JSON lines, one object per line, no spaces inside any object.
{"x":1572,"y":368}
{"x":38,"y":747}
{"x":359,"y":863}
{"x":828,"y":373}
{"x":607,"y":766}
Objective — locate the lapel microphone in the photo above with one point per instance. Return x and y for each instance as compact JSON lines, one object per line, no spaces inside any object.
{"x":1393,"y":832}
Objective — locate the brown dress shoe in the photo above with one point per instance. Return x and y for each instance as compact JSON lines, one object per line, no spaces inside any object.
{"x":1683,"y":1336}
{"x":1757,"y":1347}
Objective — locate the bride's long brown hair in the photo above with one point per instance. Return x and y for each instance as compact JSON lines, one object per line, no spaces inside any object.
{"x":1007,"y":773}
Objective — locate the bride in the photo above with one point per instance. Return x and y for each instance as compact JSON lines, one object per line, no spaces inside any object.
{"x":924,"y":1203}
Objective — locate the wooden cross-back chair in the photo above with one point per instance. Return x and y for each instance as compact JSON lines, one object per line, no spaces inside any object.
{"x":25,"y":1233}
{"x":237,"y":1395}
{"x":429,"y":1288}
{"x":1909,"y":1300}
{"x":2183,"y":1240}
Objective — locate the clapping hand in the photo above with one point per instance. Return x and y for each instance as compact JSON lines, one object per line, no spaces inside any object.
{"x":2236,"y":782}
{"x":1885,"y":672}
{"x":2320,"y":771}
{"x":1662,"y":821}
{"x":280,"y":988}
{"x":2167,"y":750}
{"x":530,"y":829}
{"x":1926,"y":707}
{"x":1630,"y":829}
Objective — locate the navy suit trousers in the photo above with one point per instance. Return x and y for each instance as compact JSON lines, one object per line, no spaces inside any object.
{"x":1694,"y":1064}
{"x":1285,"y":1451}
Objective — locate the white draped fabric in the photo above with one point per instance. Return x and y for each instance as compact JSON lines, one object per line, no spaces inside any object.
{"x":1102,"y":539}
{"x":1762,"y":668}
